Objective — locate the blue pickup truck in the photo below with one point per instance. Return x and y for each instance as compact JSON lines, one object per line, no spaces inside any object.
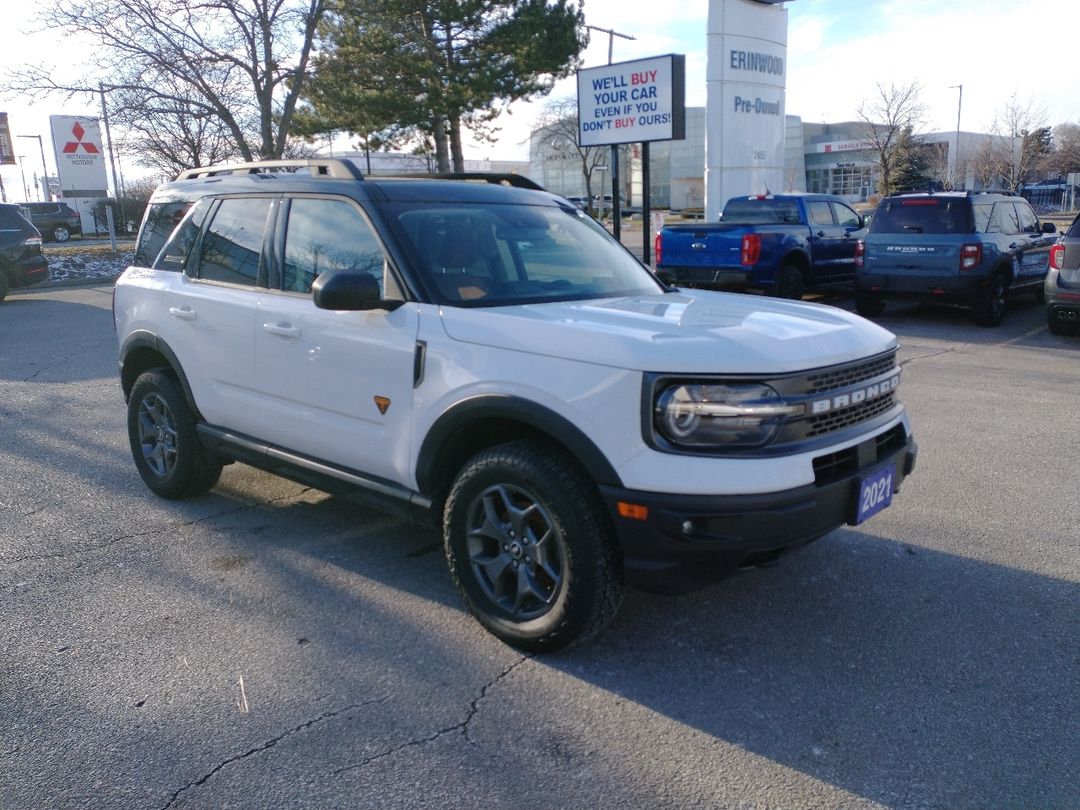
{"x":779,"y":243}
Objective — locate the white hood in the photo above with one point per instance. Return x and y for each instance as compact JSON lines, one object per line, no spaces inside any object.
{"x":684,"y":332}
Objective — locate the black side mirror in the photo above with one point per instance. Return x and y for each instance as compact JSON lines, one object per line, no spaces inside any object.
{"x":354,"y":290}
{"x":1049,"y":227}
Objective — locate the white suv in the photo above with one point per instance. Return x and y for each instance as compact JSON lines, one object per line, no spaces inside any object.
{"x":488,"y":357}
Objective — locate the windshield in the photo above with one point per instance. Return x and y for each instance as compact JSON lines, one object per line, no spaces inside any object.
{"x":934,"y":215}
{"x":492,"y":254}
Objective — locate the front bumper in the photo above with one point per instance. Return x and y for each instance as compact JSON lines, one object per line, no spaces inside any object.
{"x":690,"y":540}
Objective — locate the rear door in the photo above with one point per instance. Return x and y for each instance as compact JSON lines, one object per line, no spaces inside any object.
{"x":1034,"y":245}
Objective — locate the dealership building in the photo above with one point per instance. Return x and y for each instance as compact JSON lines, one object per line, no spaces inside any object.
{"x":824,"y":158}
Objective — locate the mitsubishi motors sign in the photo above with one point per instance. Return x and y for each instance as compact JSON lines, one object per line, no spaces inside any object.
{"x":80,"y":159}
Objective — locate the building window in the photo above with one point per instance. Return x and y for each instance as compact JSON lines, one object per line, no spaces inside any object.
{"x":852,"y":182}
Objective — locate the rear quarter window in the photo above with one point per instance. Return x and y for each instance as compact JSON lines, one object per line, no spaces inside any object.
{"x":161,"y":219}
{"x":922,"y":215}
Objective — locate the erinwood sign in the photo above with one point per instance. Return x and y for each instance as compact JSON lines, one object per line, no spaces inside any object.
{"x":633,"y":102}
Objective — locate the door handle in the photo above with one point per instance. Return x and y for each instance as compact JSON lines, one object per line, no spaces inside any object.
{"x":284,"y":330}
{"x":183,"y":313}
{"x":821,"y":234}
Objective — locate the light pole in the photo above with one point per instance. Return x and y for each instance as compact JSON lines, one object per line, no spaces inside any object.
{"x":44,"y":168}
{"x":959,"y":102}
{"x":22,"y":169}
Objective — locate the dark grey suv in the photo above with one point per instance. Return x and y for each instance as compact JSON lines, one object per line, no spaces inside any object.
{"x":971,"y":248}
{"x":21,"y":260}
{"x":57,"y":221}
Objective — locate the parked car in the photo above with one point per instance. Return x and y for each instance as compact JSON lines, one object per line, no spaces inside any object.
{"x":21,"y":260}
{"x":780,"y":243}
{"x":972,"y":248}
{"x":485,"y":357}
{"x":57,"y":221}
{"x":1062,"y":286}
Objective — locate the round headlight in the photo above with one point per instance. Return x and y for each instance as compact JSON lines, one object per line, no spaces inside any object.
{"x":718,"y":415}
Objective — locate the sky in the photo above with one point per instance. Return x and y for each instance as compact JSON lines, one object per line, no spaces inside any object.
{"x":838,"y":52}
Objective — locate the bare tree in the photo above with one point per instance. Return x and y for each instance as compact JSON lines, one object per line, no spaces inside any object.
{"x":1065,"y":155}
{"x":222,"y":76}
{"x":1019,"y":145}
{"x":558,"y":125}
{"x":890,"y":119}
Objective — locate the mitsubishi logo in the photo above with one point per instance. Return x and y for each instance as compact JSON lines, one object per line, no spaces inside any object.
{"x":72,"y":147}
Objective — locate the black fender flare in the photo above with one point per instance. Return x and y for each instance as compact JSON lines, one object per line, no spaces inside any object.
{"x":487,"y":408}
{"x":142,"y":339}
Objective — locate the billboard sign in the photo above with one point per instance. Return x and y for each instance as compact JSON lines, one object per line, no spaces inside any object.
{"x":7,"y":150}
{"x":80,"y":159}
{"x":633,"y":102}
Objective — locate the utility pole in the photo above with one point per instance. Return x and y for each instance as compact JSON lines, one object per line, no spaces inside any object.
{"x":44,"y":168}
{"x":956,"y":157}
{"x":616,"y":197}
{"x":118,"y":185}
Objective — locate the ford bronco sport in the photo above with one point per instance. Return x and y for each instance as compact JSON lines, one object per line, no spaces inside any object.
{"x":971,"y":248}
{"x":486,"y":356}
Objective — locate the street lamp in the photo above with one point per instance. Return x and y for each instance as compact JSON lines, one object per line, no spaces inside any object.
{"x":44,"y":168}
{"x":959,"y":101}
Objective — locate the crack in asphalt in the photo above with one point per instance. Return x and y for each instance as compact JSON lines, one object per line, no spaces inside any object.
{"x":950,"y":350}
{"x":266,"y":746}
{"x":149,"y":533}
{"x":66,"y":359}
{"x":462,"y":727}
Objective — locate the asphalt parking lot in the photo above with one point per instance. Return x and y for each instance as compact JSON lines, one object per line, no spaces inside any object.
{"x":268,"y":645}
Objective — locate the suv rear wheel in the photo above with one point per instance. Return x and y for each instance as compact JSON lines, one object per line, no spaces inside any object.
{"x":61,"y":233}
{"x":161,"y":430}
{"x":530,"y":546}
{"x":990,"y":304}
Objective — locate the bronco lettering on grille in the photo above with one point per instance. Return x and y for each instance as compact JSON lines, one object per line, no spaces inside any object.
{"x":856,"y":397}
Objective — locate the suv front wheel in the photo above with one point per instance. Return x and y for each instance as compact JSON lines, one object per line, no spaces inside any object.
{"x":161,"y":430}
{"x":531,"y":547}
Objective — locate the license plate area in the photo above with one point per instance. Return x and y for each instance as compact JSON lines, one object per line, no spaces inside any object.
{"x":874,"y":493}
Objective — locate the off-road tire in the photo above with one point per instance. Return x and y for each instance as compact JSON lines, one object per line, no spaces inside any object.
{"x":161,"y":430}
{"x":536,"y":596}
{"x":990,"y":303}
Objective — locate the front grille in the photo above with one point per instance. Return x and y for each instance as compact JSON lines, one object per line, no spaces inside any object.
{"x":846,"y":417}
{"x":854,"y":374}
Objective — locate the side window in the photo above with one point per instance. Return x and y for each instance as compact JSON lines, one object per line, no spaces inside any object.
{"x":174,"y":255}
{"x":1004,"y":220}
{"x":820,"y":213}
{"x":845,"y":217}
{"x":161,"y":218}
{"x":232,"y":243}
{"x":326,"y":235}
{"x":1029,"y":223}
{"x":982,"y":215}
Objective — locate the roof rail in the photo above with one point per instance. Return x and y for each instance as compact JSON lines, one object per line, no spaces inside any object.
{"x":323,"y":167}
{"x":496,"y":178}
{"x":971,"y":192}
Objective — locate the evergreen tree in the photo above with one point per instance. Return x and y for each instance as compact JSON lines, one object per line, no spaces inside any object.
{"x":424,"y":69}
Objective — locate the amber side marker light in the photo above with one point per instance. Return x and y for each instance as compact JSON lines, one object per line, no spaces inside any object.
{"x":633,"y":511}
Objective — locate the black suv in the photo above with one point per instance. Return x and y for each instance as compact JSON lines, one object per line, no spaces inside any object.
{"x":21,"y":261}
{"x":57,"y":221}
{"x":970,"y":248}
